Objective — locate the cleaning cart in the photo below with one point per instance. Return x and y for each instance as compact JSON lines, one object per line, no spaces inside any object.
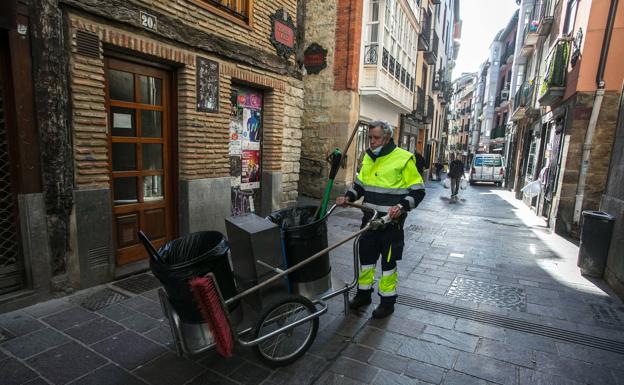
{"x":279,"y":314}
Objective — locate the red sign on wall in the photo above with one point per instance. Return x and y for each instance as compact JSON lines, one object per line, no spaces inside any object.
{"x":284,"y":34}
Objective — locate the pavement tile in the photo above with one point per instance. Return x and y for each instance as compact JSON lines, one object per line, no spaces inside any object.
{"x":162,"y":335}
{"x":108,"y":375}
{"x":457,"y":378}
{"x":250,"y":373}
{"x":575,"y":369}
{"x":479,"y":329}
{"x":530,"y":341}
{"x":429,"y":353}
{"x":13,"y":372}
{"x":141,"y":323}
{"x":379,"y":339}
{"x":66,"y":362}
{"x":2,"y":355}
{"x":117,"y":312}
{"x":152,"y":295}
{"x":357,"y":352}
{"x":69,"y":318}
{"x":328,"y":345}
{"x":531,"y":377}
{"x":129,"y":349}
{"x":331,"y":378}
{"x":431,"y":318}
{"x":224,"y":366}
{"x":34,"y":343}
{"x":354,"y":369}
{"x":385,"y":377}
{"x":424,"y":372}
{"x":508,"y":353}
{"x":591,"y":355}
{"x":169,"y":369}
{"x":151,"y":309}
{"x":211,"y":378}
{"x":450,"y":338}
{"x":18,"y":323}
{"x":37,"y":381}
{"x":136,"y":302}
{"x":405,"y":326}
{"x":302,"y":371}
{"x":388,"y":361}
{"x":94,"y":331}
{"x":486,"y":368}
{"x":49,"y":307}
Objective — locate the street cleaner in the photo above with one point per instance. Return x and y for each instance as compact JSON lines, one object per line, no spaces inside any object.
{"x":390,"y":184}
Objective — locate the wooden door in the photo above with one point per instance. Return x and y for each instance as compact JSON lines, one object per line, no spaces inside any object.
{"x":138,"y":106}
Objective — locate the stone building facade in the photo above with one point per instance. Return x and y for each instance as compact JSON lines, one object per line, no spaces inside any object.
{"x":162,"y":117}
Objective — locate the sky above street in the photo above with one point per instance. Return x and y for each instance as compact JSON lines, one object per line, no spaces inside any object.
{"x":481,"y":20}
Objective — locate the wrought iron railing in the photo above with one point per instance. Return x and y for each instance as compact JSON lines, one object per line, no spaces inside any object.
{"x":370,"y":54}
{"x":420,"y":100}
{"x":384,"y":58}
{"x":524,"y":96}
{"x":557,"y":66}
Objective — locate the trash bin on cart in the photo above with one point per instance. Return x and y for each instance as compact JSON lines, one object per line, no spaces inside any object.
{"x":190,"y":256}
{"x":304,"y":236}
{"x":596,"y":233}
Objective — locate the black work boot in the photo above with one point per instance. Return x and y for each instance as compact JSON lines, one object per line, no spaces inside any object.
{"x":362,"y":298}
{"x":383,"y":310}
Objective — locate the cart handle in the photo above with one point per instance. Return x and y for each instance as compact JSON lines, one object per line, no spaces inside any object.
{"x":371,"y":224}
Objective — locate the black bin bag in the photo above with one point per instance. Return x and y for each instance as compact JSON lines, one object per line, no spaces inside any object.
{"x":190,"y":256}
{"x":303,"y":237}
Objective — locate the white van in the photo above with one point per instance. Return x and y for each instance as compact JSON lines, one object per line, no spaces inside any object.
{"x":487,"y":168}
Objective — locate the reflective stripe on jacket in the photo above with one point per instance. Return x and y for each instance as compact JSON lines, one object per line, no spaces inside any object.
{"x":389,"y":179}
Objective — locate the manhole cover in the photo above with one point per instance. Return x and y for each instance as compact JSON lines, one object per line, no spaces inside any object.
{"x":138,"y":284}
{"x":99,"y":299}
{"x":606,"y":314}
{"x":506,"y":297}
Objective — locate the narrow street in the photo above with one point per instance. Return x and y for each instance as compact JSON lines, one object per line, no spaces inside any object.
{"x":486,"y":296}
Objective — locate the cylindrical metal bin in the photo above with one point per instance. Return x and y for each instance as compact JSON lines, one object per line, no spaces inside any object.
{"x":303,"y":237}
{"x":595,"y":241}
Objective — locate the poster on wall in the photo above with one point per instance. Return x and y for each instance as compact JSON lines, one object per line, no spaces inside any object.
{"x":245,"y":134}
{"x":207,"y":86}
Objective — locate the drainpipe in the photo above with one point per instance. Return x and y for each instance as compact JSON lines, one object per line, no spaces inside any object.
{"x":591,"y":128}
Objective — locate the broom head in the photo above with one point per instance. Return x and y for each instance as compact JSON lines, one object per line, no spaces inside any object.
{"x":212,"y":309}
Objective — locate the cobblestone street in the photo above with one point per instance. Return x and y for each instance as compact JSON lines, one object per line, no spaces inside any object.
{"x":486,"y":296}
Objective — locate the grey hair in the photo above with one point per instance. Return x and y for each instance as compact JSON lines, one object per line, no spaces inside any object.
{"x":387,"y":128}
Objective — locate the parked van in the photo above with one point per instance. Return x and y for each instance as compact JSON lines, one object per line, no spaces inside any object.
{"x":487,"y":168}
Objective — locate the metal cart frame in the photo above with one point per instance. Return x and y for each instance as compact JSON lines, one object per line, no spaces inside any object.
{"x":181,"y":331}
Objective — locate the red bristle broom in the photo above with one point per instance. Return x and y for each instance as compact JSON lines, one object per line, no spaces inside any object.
{"x":211,"y":307}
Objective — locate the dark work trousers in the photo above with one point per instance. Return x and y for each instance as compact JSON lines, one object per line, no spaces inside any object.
{"x":455,"y":185}
{"x":388,"y":243}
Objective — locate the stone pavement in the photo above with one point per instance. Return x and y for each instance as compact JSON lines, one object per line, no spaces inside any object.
{"x":487,"y":296}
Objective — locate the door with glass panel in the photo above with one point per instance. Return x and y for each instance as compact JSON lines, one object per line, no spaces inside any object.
{"x":138,"y":117}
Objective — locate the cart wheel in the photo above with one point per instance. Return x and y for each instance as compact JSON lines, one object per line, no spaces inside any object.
{"x":286,"y":347}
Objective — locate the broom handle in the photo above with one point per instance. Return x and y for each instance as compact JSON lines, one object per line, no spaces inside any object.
{"x":308,"y":260}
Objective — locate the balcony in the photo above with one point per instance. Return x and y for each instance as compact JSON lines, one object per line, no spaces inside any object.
{"x":424,"y":39}
{"x":545,"y":17}
{"x":420,"y":102}
{"x":509,"y":53}
{"x":523,"y":101}
{"x":428,"y":119}
{"x":370,"y":54}
{"x":553,"y":87}
{"x":529,"y":37}
{"x":431,"y":55}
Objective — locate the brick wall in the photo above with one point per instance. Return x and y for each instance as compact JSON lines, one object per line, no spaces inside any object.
{"x":348,"y":38}
{"x":330,"y":112}
{"x":198,"y":14}
{"x":578,"y":120}
{"x":202,"y":137}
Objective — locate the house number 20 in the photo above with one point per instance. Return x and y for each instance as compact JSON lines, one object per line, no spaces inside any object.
{"x":148,"y":21}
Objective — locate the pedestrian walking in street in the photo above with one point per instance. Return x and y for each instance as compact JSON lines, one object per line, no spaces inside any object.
{"x":456,"y":173}
{"x":421,"y":163}
{"x":390,"y":184}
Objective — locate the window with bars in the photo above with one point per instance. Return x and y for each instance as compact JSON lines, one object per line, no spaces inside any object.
{"x":240,"y":9}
